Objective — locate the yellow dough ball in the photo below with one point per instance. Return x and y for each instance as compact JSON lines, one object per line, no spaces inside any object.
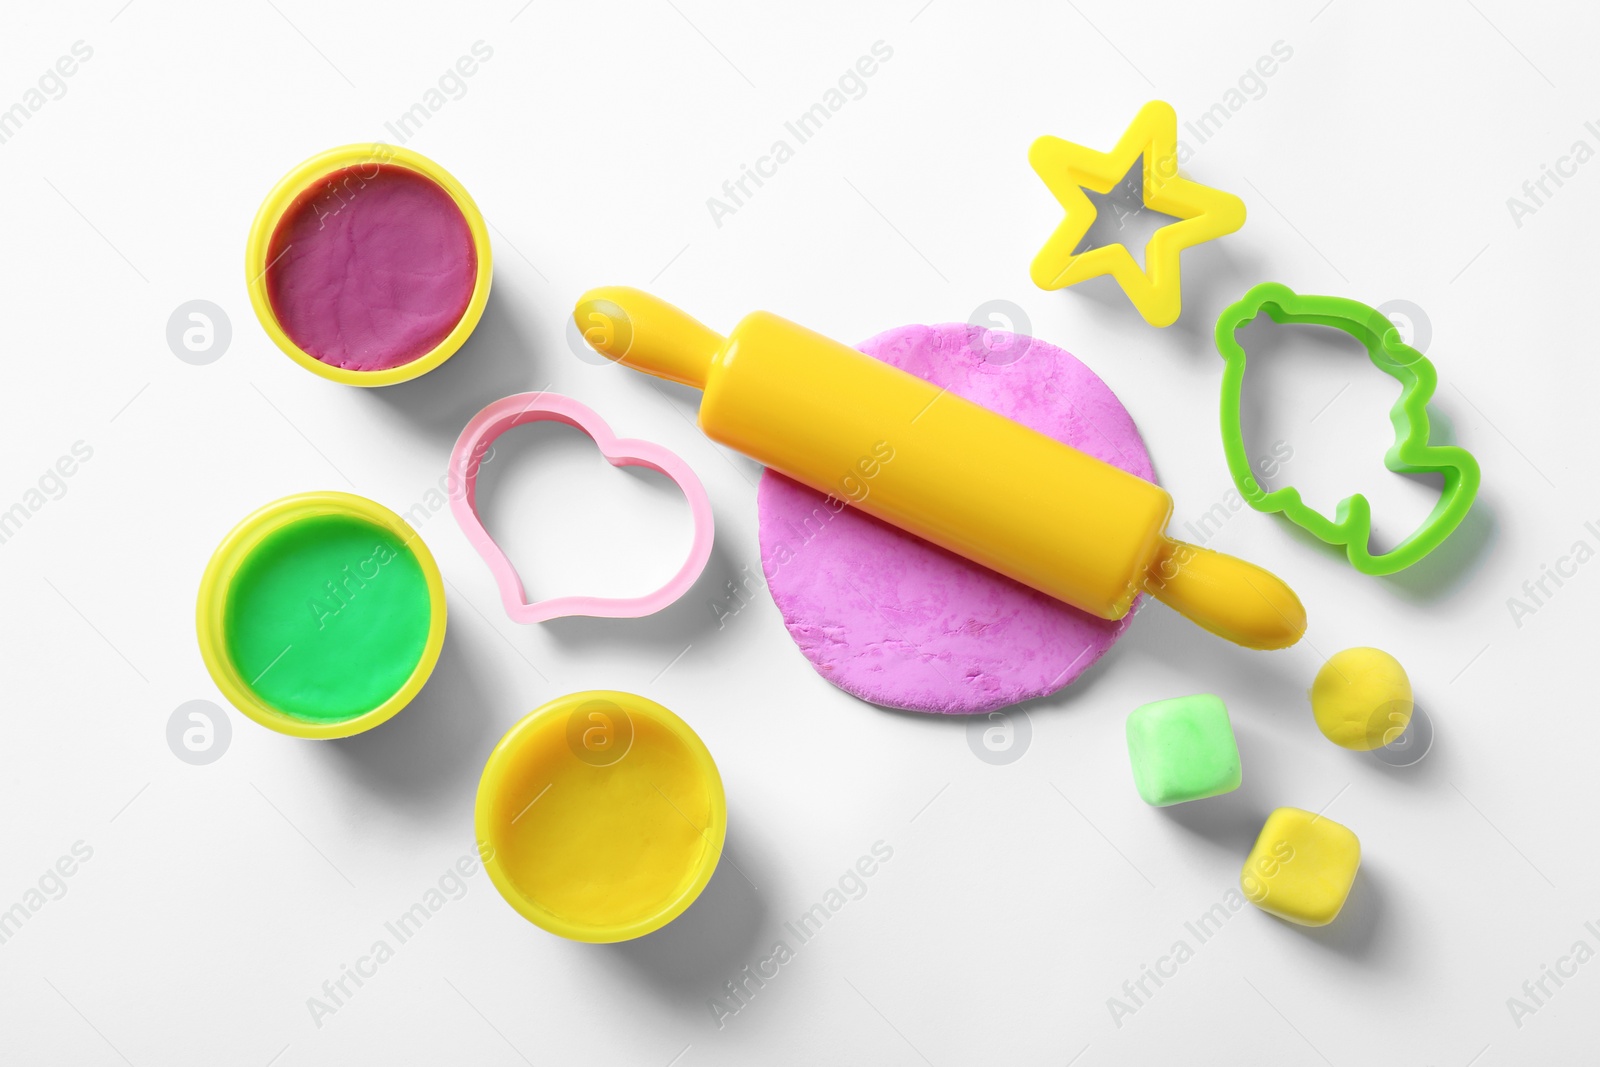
{"x":1362,"y":699}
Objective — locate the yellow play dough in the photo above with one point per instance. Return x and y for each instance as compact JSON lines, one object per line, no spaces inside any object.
{"x":601,"y":816}
{"x":1302,"y":867}
{"x":1362,"y":699}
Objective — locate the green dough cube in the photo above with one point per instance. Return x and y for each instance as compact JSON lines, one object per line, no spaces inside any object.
{"x":1183,"y":749}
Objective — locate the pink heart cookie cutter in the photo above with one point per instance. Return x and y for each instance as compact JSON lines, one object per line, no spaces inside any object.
{"x":512,"y":411}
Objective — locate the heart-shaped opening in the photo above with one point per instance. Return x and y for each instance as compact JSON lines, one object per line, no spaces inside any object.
{"x":572,"y":524}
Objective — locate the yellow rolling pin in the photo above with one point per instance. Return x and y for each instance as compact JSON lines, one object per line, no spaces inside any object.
{"x":960,"y":476}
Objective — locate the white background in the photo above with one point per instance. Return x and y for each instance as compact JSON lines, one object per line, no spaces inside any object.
{"x":1376,"y":163}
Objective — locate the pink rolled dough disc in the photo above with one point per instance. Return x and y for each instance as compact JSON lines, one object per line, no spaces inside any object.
{"x":891,"y":619}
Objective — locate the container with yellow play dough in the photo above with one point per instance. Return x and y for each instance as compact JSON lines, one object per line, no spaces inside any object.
{"x":601,"y":816}
{"x":321,"y":615}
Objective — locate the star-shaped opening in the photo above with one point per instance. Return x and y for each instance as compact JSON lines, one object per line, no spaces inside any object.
{"x":1122,"y":217}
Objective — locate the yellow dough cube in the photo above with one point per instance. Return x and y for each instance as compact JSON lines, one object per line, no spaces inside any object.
{"x":1301,"y":867}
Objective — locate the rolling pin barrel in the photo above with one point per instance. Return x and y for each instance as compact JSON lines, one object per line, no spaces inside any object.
{"x":936,"y":465}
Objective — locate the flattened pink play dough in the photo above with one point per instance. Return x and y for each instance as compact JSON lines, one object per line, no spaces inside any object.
{"x":894,"y":620}
{"x":371,"y":270}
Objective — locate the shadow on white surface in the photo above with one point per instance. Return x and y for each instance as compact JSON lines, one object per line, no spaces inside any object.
{"x":691,"y":957}
{"x":1355,"y":933}
{"x":1233,"y":820}
{"x":1401,"y":761}
{"x":434,"y":747}
{"x":664,"y":635}
{"x":1180,"y":649}
{"x":499,"y":359}
{"x":1454,"y":561}
{"x":1105,"y":301}
{"x":1213,"y":277}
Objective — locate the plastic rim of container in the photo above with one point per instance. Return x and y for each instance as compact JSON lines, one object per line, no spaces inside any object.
{"x":236,"y":547}
{"x":498,"y":774}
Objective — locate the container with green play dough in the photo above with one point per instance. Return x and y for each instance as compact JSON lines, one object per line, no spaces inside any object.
{"x":321,"y":615}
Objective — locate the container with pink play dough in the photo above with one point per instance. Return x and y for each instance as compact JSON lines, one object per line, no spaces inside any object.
{"x":368,"y":264}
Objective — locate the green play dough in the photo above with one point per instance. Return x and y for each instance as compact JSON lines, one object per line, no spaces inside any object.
{"x":1183,"y":749}
{"x":327,"y":617}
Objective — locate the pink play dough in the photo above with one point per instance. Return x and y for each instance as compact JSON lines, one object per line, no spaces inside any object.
{"x":894,"y":620}
{"x":371,"y":271}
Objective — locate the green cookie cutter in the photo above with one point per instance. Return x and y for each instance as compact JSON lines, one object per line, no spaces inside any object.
{"x":1411,"y":453}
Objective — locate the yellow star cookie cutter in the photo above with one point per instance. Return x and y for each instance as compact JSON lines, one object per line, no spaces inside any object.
{"x":1203,"y":212}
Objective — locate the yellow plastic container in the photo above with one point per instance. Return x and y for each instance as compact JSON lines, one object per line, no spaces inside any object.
{"x":943,"y":468}
{"x":301,"y":655}
{"x":600,"y":816}
{"x":309,"y":175}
